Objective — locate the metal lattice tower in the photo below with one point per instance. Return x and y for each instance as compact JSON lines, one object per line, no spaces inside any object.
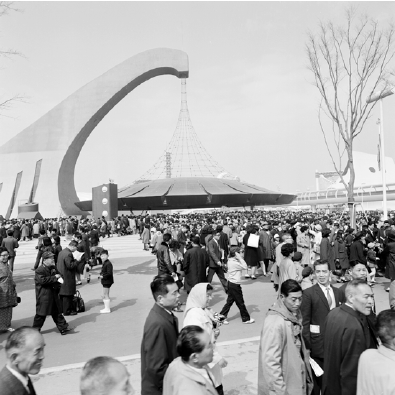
{"x":185,"y":155}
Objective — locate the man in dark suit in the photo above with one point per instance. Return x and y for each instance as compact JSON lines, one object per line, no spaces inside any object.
{"x":25,"y":353}
{"x":159,"y":344}
{"x":215,"y":255}
{"x":11,"y":243}
{"x":317,"y":302}
{"x":67,"y":267}
{"x":347,"y":335}
{"x":195,"y":264}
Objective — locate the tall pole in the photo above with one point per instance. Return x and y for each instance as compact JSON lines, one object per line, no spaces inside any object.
{"x":382,"y":154}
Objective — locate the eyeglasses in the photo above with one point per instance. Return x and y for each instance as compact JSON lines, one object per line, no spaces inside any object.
{"x":4,"y":254}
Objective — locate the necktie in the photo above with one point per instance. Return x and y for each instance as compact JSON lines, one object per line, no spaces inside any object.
{"x":328,"y":296}
{"x":30,"y":386}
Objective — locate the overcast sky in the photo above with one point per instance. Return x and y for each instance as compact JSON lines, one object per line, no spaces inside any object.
{"x":250,"y":94}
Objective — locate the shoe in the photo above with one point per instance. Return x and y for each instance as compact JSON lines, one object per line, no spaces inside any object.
{"x":225,"y":322}
{"x":247,"y":276}
{"x":64,"y":331}
{"x":88,"y":280}
{"x":72,"y":313}
{"x":78,"y":282}
{"x":253,"y":278}
{"x":378,"y":274}
{"x":387,"y":290}
{"x":250,"y":321}
{"x":10,"y":329}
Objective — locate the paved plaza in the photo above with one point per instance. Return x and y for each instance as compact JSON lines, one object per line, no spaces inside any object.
{"x":119,"y":334}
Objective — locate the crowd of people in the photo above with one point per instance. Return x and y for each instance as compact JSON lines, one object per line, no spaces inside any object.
{"x":316,"y":338}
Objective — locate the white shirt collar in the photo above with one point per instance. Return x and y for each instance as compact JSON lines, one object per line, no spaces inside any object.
{"x":24,"y":380}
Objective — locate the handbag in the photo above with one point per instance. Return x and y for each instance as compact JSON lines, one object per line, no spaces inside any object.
{"x":79,"y":304}
{"x":253,"y":241}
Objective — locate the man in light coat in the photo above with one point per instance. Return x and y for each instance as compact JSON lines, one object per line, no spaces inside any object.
{"x":187,"y":373}
{"x":281,"y":368}
{"x":376,"y":367}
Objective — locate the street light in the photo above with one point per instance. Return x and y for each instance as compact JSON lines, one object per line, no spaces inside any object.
{"x":379,"y":96}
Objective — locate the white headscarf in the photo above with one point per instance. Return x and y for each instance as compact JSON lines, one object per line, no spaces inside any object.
{"x":197,"y":298}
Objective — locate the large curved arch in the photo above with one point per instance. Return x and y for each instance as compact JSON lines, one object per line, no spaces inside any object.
{"x":58,"y":137}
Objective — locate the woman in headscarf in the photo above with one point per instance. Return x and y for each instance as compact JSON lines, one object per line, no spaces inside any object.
{"x":198,"y":313}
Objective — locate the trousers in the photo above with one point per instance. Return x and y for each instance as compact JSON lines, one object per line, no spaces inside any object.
{"x":57,"y":317}
{"x":220,"y":274}
{"x":235,"y":294}
{"x":66,"y":303}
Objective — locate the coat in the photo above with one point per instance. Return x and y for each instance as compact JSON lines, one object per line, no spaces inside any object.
{"x":251,"y":255}
{"x":107,"y":273}
{"x":340,"y":250}
{"x":67,"y":267}
{"x":164,"y":262}
{"x":303,"y":246}
{"x":158,"y":349}
{"x":47,"y":288}
{"x":10,"y":243}
{"x":10,"y":385}
{"x":315,"y":309}
{"x":195,"y":264}
{"x":346,"y":337}
{"x":181,"y":379}
{"x":265,"y":245}
{"x":326,"y":253}
{"x":145,"y":236}
{"x":357,"y":252}
{"x":214,"y":252}
{"x":281,"y":369}
{"x":376,"y":372}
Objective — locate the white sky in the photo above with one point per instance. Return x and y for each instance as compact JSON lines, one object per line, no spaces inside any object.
{"x":250,"y":95}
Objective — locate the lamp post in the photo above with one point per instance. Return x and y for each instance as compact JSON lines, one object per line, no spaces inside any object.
{"x":375,"y":97}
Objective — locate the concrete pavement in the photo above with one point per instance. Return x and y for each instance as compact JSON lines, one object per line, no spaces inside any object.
{"x":119,"y":334}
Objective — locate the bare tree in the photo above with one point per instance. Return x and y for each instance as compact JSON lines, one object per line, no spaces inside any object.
{"x":349,"y":63}
{"x":6,"y":103}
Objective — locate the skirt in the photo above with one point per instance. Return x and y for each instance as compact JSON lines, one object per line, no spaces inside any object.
{"x":5,"y":318}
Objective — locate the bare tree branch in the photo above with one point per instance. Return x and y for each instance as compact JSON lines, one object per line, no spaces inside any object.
{"x":349,"y":63}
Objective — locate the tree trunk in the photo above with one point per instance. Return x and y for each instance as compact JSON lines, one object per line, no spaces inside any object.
{"x":351,"y":200}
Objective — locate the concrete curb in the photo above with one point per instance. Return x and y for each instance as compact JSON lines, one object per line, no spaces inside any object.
{"x":133,"y":357}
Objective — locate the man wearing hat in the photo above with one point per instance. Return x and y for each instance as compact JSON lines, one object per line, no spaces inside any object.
{"x":48,"y":281}
{"x":236,"y":264}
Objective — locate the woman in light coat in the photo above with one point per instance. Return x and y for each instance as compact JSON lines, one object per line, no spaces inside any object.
{"x":303,"y":243}
{"x":198,"y":313}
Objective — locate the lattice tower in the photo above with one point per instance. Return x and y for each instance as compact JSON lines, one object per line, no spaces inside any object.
{"x":185,"y":155}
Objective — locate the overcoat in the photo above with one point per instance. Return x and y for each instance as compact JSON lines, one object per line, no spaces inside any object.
{"x":145,"y":236}
{"x":181,"y":379}
{"x":195,"y":264}
{"x":265,"y":245}
{"x":47,"y":288}
{"x":340,"y":250}
{"x":346,"y":337}
{"x":67,"y":266}
{"x":281,"y":368}
{"x":158,"y":349}
{"x":326,"y":253}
